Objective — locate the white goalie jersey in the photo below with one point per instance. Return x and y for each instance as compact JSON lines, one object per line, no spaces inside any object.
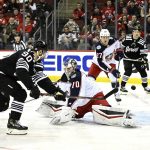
{"x":80,"y":85}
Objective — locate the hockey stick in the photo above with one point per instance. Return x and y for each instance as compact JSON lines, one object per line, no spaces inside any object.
{"x":86,"y":97}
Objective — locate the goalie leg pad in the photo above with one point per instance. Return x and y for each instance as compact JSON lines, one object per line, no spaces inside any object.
{"x":49,"y":108}
{"x":112,"y":116}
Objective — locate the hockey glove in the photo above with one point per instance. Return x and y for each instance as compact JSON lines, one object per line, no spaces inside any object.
{"x":115,"y":72}
{"x":35,"y":92}
{"x":60,"y":95}
{"x":146,"y":64}
{"x":119,"y":55}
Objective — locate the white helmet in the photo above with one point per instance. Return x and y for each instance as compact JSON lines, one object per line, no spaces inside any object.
{"x":104,"y":32}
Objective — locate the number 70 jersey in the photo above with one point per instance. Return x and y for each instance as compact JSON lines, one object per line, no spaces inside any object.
{"x":79,"y":85}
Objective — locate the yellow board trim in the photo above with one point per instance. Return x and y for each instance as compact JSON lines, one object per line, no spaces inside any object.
{"x":105,"y":79}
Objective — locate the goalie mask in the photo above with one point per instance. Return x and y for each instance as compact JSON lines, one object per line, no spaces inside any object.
{"x":70,"y":66}
{"x":40,"y":50}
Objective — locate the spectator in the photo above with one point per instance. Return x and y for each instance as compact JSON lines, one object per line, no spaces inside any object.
{"x":133,"y":9}
{"x":133,"y":23}
{"x":18,"y":43}
{"x":79,"y":14}
{"x":81,"y":45}
{"x":108,"y":11}
{"x":30,"y":43}
{"x":121,"y":5}
{"x":11,"y":25}
{"x":124,"y":13}
{"x":148,"y":32}
{"x":3,"y":20}
{"x":43,"y":9}
{"x":10,"y":5}
{"x":17,"y":16}
{"x":67,"y":40}
{"x":28,"y":27}
{"x":100,"y":17}
{"x":73,"y":26}
{"x":123,"y":23}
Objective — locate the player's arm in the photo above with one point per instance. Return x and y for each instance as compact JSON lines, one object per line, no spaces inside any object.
{"x":100,"y":59}
{"x":46,"y":84}
{"x":104,"y":65}
{"x":22,"y":70}
{"x":144,"y":53}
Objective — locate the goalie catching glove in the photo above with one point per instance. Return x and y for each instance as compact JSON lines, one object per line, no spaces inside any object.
{"x":60,"y":95}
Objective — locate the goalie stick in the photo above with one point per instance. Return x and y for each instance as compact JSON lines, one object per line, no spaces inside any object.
{"x":86,"y":97}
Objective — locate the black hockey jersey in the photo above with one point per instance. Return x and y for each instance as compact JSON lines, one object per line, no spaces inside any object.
{"x":21,"y":66}
{"x":134,"y":49}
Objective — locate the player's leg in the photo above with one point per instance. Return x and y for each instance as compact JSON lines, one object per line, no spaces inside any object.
{"x":4,"y":101}
{"x":12,"y":88}
{"x":142,"y":70}
{"x":114,"y":84}
{"x":82,"y":110}
{"x":126,"y":75}
{"x":112,"y":116}
{"x":94,"y":71}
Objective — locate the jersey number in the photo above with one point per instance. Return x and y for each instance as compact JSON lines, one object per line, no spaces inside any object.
{"x":27,"y":56}
{"x":76,"y":84}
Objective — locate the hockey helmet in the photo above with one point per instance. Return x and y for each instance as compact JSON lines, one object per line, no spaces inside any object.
{"x":40,"y":50}
{"x":38,"y":45}
{"x":70,"y":65}
{"x":104,"y":32}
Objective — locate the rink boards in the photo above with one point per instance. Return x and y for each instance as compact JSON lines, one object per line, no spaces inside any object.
{"x":53,"y":64}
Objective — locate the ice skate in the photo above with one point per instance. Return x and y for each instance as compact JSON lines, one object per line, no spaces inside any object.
{"x":15,"y":128}
{"x":117,"y":97}
{"x":147,"y":89}
{"x":123,"y":90}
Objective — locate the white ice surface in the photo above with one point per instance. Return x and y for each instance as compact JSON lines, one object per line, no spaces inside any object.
{"x":82,"y":134}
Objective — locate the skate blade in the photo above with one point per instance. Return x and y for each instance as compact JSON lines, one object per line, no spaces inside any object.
{"x":123,"y":93}
{"x":16,"y":132}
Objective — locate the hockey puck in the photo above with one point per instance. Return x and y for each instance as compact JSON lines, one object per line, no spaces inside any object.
{"x":133,"y":87}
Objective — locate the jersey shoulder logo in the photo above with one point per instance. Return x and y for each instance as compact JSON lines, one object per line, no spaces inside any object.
{"x":98,"y":47}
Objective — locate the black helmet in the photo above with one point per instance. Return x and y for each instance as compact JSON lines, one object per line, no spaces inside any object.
{"x":40,"y":45}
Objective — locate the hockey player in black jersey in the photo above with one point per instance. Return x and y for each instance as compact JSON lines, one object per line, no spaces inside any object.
{"x":135,"y":54}
{"x":104,"y":60}
{"x":25,"y":66}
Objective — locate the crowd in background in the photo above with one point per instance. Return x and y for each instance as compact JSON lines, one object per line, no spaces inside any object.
{"x":75,"y":33}
{"x":11,"y":20}
{"x":129,"y":14}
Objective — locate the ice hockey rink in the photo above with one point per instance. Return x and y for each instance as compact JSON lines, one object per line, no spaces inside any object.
{"x":82,"y":134}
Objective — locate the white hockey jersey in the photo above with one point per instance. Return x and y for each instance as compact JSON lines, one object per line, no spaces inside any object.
{"x":79,"y":85}
{"x":105,"y":55}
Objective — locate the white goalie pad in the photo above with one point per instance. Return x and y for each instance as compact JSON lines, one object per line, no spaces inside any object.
{"x":65,"y":115}
{"x":49,"y":108}
{"x":112,"y":116}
